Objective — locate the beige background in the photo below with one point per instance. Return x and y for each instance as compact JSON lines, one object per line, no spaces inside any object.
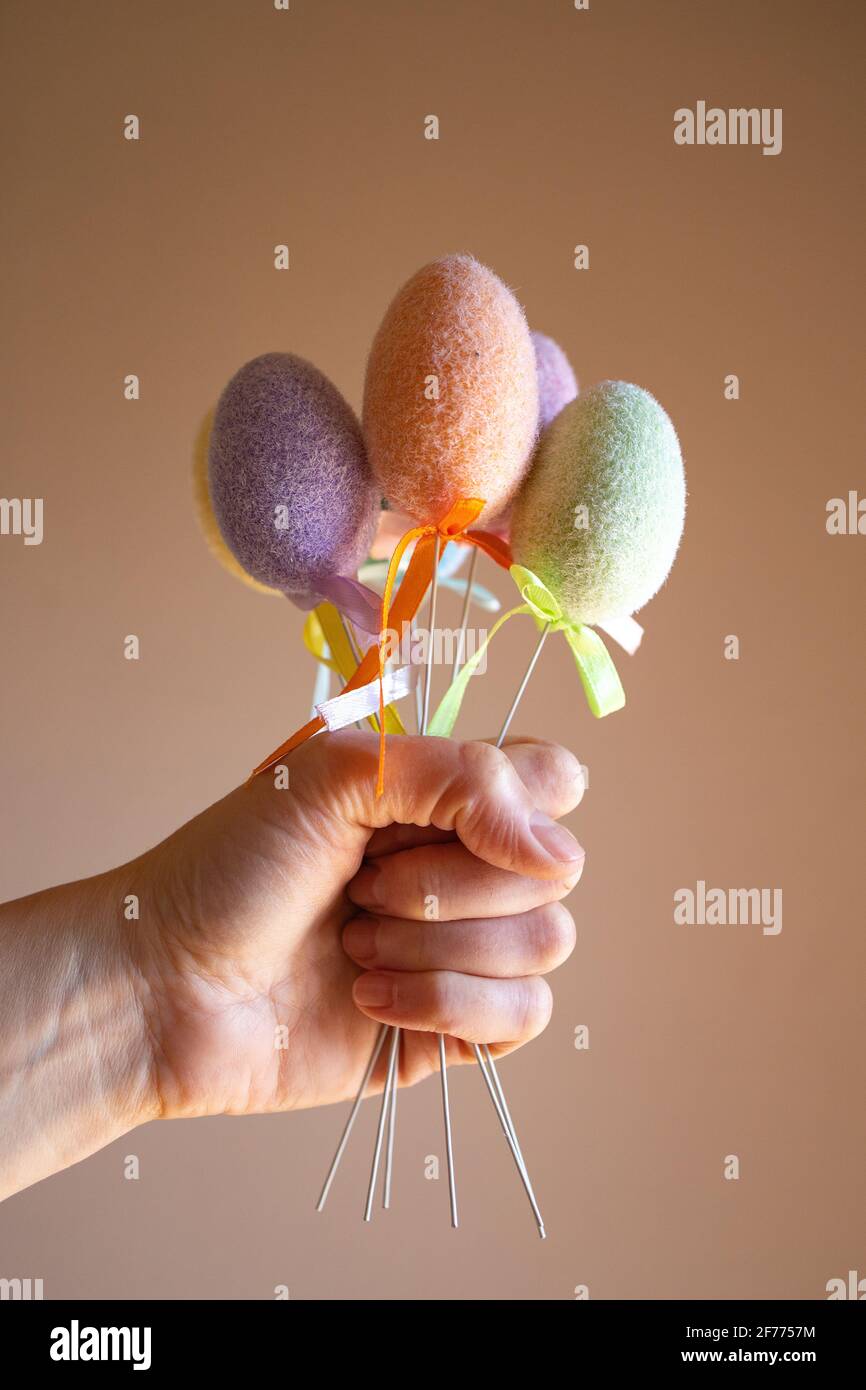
{"x":156,"y":258}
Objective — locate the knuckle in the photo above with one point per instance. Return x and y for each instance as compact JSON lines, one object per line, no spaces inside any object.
{"x":443,"y":1002}
{"x":482,"y":763}
{"x":489,"y":783}
{"x":568,"y":768}
{"x":558,"y":764}
{"x":552,"y":936}
{"x":410,"y":883}
{"x":534,"y":1005}
{"x":501,"y":833}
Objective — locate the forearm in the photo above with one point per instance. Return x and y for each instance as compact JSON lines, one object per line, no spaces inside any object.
{"x":75,"y":1067}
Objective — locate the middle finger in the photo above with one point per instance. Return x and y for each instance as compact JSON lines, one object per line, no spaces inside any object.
{"x":445,"y":882}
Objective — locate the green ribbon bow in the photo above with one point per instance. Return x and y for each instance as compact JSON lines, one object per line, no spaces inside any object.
{"x":601,"y":683}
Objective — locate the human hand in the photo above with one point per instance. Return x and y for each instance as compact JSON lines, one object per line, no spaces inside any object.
{"x":274,"y":925}
{"x":246,"y":984}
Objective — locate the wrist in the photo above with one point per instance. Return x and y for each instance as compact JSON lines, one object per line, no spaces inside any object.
{"x":76,"y":1068}
{"x":121,"y":1034}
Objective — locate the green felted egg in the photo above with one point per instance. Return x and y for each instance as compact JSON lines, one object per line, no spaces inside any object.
{"x":600,"y":515}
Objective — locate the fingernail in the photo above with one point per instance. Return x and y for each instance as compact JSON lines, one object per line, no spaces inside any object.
{"x":374,"y":991}
{"x":555,"y":840}
{"x":359,"y":938}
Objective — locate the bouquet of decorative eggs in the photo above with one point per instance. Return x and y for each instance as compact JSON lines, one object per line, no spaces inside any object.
{"x":474,"y":437}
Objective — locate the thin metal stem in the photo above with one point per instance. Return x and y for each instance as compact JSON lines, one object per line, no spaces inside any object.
{"x":488,"y":1057}
{"x":512,"y":1141}
{"x":419,"y":693}
{"x":380,"y":1129}
{"x":523,"y":684}
{"x":464,"y":616}
{"x":431,"y":625}
{"x":449,"y":1147}
{"x":350,"y":636}
{"x":392,"y":1121}
{"x":356,"y":653}
{"x":443,"y":1070}
{"x":394,"y":1077}
{"x":344,"y":1138}
{"x":485,"y":1058}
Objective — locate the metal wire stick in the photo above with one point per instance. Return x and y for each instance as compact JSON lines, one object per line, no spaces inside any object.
{"x":344,"y":1138}
{"x":497,"y":1083}
{"x":488,"y":1057}
{"x":356,"y":653}
{"x":380,"y":1037}
{"x":419,"y":714}
{"x":523,"y":684}
{"x":380,"y":1129}
{"x":464,"y":616}
{"x":443,"y":1070}
{"x":392,"y":1121}
{"x":512,"y":1143}
{"x":449,"y":1147}
{"x":431,"y":625}
{"x":508,"y":1126}
{"x":492,"y":1081}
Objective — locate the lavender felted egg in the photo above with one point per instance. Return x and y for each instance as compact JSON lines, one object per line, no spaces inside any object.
{"x":206,"y":519}
{"x":288,"y":476}
{"x":451,"y":395}
{"x":557,"y":384}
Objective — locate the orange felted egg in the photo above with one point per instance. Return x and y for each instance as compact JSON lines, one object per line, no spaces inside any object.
{"x":451,"y":393}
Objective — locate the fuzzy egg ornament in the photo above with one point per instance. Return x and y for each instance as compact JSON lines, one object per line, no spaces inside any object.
{"x":601,"y":514}
{"x":451,"y":392}
{"x":557,"y":384}
{"x":205,"y":514}
{"x":290,"y":486}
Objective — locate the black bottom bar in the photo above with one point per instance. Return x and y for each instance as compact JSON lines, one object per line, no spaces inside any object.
{"x":73,"y":1338}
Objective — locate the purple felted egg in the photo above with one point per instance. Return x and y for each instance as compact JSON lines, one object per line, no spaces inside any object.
{"x":288,"y":476}
{"x":557,"y":384}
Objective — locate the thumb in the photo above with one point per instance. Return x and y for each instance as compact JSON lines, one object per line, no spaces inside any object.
{"x":471,"y":788}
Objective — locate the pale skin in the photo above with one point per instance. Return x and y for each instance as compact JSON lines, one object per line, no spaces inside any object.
{"x":277,"y":930}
